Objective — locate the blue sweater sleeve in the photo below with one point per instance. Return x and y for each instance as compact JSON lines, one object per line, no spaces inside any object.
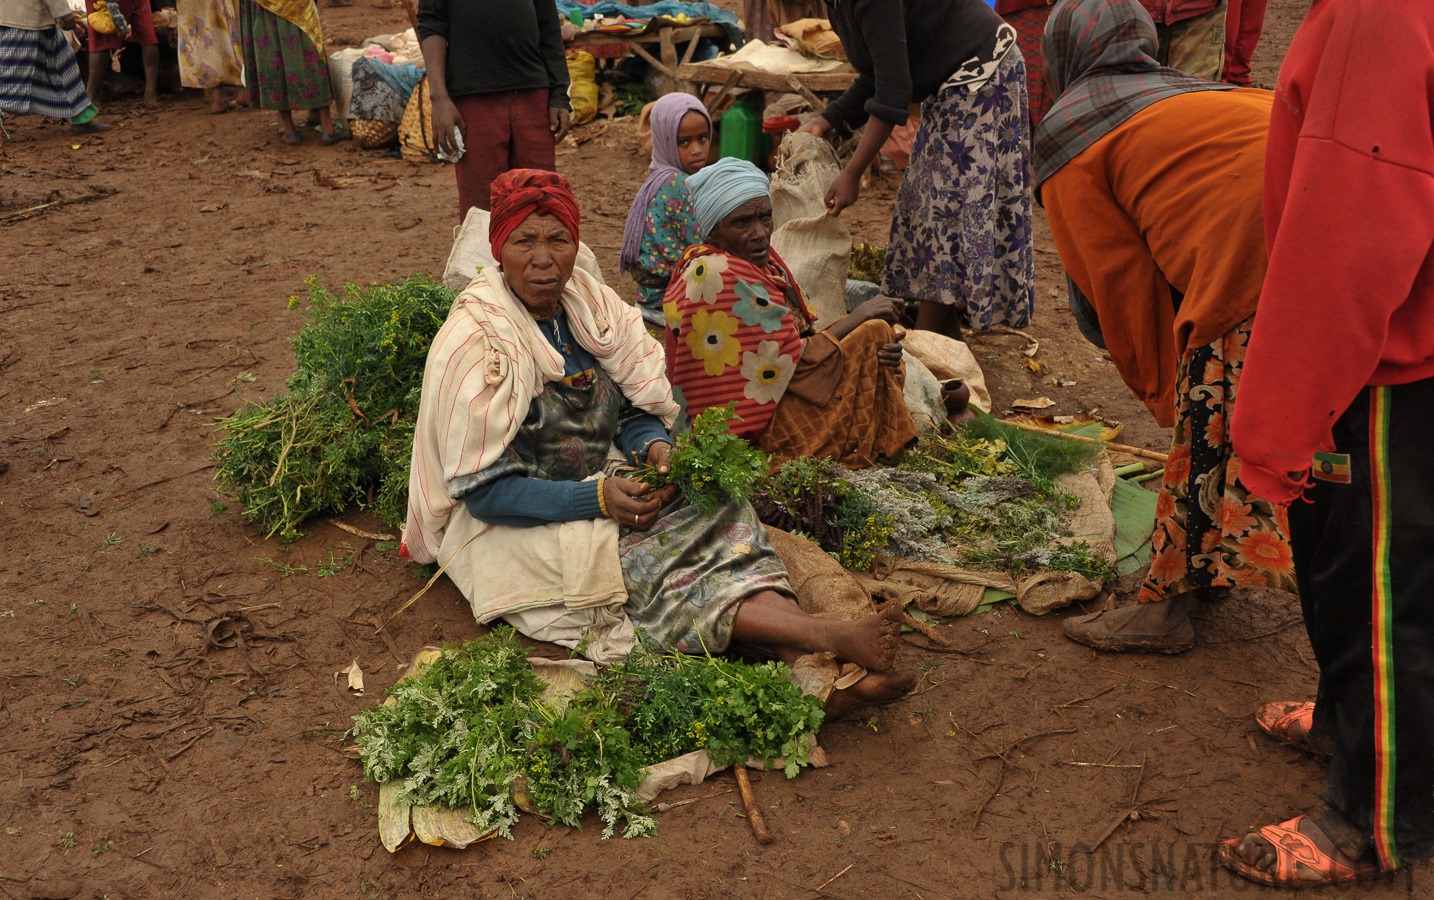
{"x":522,"y":502}
{"x":638,"y":433}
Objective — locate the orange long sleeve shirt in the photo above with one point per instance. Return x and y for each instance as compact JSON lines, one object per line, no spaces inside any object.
{"x":1170,"y":198}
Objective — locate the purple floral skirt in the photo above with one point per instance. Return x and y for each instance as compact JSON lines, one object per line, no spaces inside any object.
{"x":281,"y":65}
{"x":962,"y":229}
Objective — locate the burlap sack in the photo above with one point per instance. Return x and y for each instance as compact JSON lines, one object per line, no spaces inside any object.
{"x":816,"y":246}
{"x":815,"y":35}
{"x":824,"y":589}
{"x":471,"y":250}
{"x":948,"y":359}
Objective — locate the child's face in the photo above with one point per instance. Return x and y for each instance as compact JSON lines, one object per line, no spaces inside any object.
{"x":693,"y":139}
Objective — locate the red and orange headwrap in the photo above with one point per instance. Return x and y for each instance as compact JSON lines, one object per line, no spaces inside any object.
{"x":518,"y":193}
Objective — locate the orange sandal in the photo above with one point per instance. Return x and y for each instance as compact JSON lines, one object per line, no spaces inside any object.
{"x":1299,"y":862}
{"x":1275,"y":720}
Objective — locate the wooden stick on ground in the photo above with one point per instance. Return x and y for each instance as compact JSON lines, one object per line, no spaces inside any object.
{"x":1119,"y":448}
{"x":749,"y":803}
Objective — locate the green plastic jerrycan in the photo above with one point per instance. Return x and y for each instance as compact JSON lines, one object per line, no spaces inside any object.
{"x":742,"y":135}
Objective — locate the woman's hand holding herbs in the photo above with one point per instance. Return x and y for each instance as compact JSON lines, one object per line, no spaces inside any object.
{"x":632,"y":504}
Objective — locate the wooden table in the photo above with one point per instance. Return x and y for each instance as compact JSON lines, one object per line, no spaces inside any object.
{"x":807,"y":84}
{"x":666,"y":37}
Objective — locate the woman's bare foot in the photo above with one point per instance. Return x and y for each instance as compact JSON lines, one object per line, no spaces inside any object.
{"x":875,"y":689}
{"x":871,"y":642}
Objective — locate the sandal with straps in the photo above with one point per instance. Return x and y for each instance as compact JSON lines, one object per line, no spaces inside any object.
{"x":1299,"y":862}
{"x":1276,"y":719}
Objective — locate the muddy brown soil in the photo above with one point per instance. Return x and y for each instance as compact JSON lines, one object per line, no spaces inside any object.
{"x":170,"y":721}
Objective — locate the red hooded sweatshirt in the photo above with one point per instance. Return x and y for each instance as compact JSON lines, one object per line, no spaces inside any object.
{"x":1348,"y":299}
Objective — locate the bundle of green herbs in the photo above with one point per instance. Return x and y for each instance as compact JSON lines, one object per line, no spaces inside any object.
{"x":868,"y":263}
{"x":813,"y":497}
{"x":342,"y":433}
{"x":710,"y":465}
{"x":473,"y":726}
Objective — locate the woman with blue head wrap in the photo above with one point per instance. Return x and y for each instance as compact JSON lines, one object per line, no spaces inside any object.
{"x":740,"y":330}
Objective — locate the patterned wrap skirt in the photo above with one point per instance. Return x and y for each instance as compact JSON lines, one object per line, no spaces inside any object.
{"x":39,"y":74}
{"x":1209,"y":530}
{"x":687,"y":575}
{"x":962,"y":230}
{"x":209,"y":43}
{"x":283,"y":68}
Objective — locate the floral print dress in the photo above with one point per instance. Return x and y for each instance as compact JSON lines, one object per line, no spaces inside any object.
{"x":671,"y":228}
{"x":281,"y":65}
{"x":962,"y":230}
{"x":740,"y":334}
{"x":1209,"y":530}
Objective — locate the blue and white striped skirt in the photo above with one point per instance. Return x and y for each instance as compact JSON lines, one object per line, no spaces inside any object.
{"x":39,"y":74}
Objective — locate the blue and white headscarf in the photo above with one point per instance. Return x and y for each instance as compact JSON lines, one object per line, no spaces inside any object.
{"x":722,"y":187}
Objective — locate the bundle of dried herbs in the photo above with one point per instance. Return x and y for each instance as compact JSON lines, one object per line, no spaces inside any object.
{"x":342,"y":433}
{"x":981,"y":498}
{"x":474,"y":723}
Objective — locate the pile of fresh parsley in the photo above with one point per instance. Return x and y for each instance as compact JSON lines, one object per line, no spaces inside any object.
{"x":461,"y":734}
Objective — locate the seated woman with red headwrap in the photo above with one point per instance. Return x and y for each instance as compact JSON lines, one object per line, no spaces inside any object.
{"x":540,"y":386}
{"x":739,"y":329}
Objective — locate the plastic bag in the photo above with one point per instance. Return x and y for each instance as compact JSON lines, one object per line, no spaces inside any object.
{"x":583,"y":89}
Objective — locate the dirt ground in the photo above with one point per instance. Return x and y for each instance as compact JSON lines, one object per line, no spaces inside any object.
{"x":147,"y":753}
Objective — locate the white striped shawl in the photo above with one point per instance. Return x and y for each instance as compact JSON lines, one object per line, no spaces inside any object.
{"x":486,"y":365}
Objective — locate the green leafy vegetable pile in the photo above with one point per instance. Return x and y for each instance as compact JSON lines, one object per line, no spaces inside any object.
{"x":342,"y":433}
{"x":710,"y":465}
{"x":474,"y":724}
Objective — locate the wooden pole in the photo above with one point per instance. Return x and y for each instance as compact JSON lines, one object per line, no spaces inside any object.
{"x":1119,"y":448}
{"x":409,"y":7}
{"x":749,"y":804}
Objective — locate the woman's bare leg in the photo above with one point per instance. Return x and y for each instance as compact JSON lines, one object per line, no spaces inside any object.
{"x":775,"y":622}
{"x":940,"y":318}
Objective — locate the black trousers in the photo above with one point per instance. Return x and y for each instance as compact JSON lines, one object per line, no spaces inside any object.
{"x":1364,"y":558}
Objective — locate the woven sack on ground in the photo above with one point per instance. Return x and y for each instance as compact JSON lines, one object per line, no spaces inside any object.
{"x":415,"y":132}
{"x":816,"y":246}
{"x":341,"y":77}
{"x":949,"y":359}
{"x":371,"y":134}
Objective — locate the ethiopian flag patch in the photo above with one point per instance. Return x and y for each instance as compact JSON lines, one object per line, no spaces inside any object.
{"x":1331,"y":467}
